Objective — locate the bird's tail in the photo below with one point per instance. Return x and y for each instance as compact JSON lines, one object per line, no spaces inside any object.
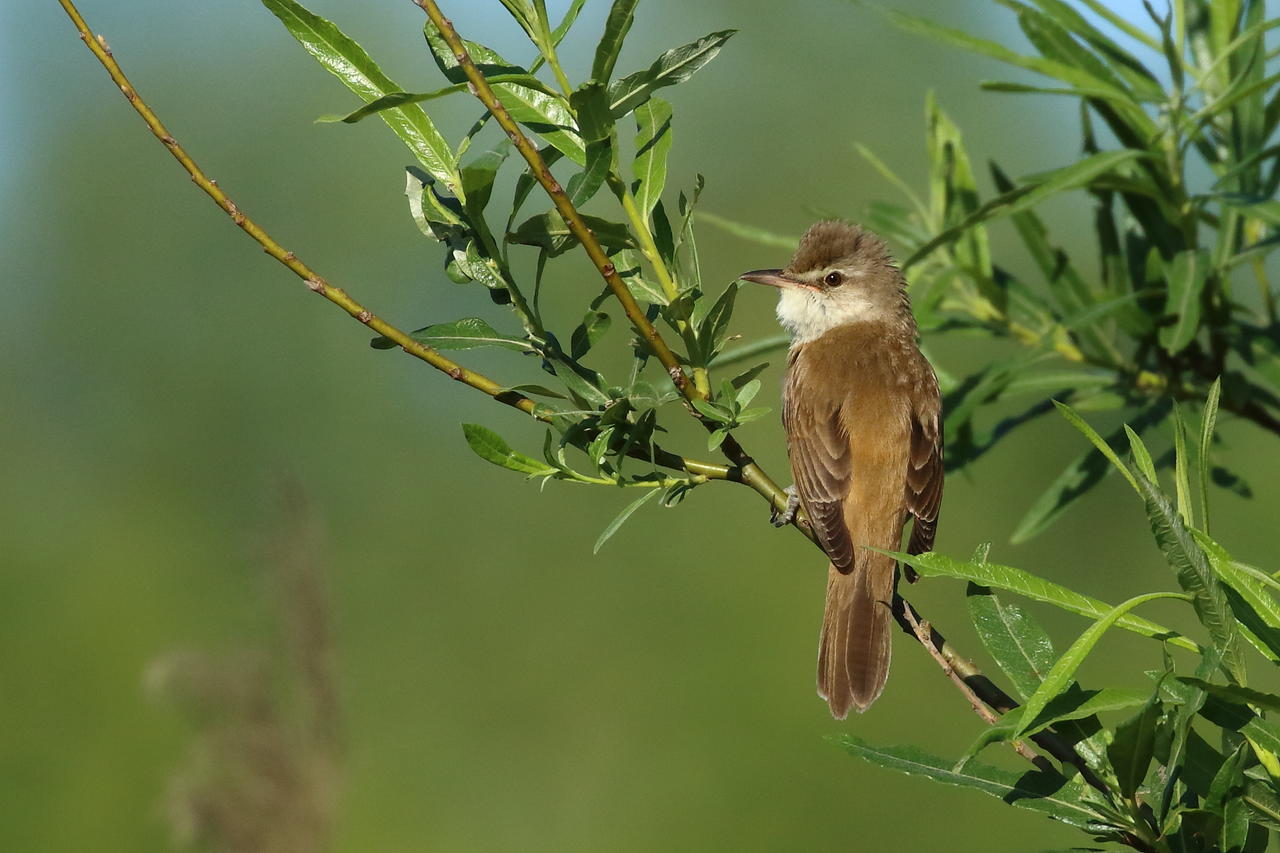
{"x":853,"y":656}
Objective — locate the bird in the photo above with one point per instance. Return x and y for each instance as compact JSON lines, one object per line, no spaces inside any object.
{"x":863,"y":420}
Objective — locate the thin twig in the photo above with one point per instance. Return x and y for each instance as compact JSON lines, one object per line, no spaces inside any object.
{"x":973,"y":683}
{"x":923,"y":632}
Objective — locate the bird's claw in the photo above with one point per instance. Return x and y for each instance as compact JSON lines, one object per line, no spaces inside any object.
{"x":782,"y":519}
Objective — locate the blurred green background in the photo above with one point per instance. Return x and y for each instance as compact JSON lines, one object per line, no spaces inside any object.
{"x":501,"y":689}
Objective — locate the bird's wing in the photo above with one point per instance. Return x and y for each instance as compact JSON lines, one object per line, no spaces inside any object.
{"x":820,"y":462}
{"x":924,"y":467}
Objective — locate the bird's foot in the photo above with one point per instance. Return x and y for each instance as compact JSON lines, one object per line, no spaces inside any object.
{"x":782,"y":519}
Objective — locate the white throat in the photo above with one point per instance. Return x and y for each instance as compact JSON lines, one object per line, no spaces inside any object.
{"x":808,"y":315}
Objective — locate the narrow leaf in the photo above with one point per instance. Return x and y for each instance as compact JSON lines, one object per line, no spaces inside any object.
{"x":349,"y":63}
{"x":653,"y":142}
{"x":622,"y":517}
{"x":1194,"y":575}
{"x":1131,"y":750}
{"x":1187,"y":273}
{"x":1063,"y":671}
{"x":1028,"y":585}
{"x":490,"y":446}
{"x":1208,"y":420}
{"x":616,"y":27}
{"x":467,"y":333}
{"x":1014,"y":640}
{"x":674,"y":66}
{"x":1047,"y":793}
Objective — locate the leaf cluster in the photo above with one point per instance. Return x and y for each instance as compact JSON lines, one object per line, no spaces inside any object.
{"x":1193,"y":765}
{"x":610,"y":421}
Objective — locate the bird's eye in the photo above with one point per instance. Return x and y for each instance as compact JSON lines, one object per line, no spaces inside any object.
{"x":834,"y":279}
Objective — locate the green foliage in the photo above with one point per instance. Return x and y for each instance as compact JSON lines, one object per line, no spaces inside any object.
{"x":1159,"y":328}
{"x":1156,"y":782}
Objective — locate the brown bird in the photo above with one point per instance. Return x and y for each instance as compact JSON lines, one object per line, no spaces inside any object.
{"x":863,"y":420}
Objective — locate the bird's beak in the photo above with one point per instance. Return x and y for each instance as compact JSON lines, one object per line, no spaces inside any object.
{"x":775,"y":278}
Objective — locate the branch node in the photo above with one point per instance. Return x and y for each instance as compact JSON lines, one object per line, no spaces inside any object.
{"x":364,"y":317}
{"x":315,"y":284}
{"x":609,"y":269}
{"x":456,"y":373}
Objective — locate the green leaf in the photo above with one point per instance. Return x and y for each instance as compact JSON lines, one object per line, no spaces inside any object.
{"x":477,"y":181}
{"x":1028,"y":585}
{"x":349,"y":63}
{"x":1195,"y":576}
{"x":540,"y":108}
{"x":467,"y":333}
{"x":1247,"y":595}
{"x":674,"y":66}
{"x":653,"y":142}
{"x":1047,"y":793}
{"x":1065,"y":72}
{"x":622,"y":517}
{"x":713,"y":412}
{"x":1035,"y":190}
{"x":583,"y":186}
{"x":747,"y":352}
{"x":570,"y":15}
{"x":627,"y":262}
{"x":1141,"y":456}
{"x":1062,"y":713}
{"x":539,"y":390}
{"x":1263,"y":803}
{"x":490,"y":446}
{"x":1227,"y":780}
{"x":1017,"y":643}
{"x":582,"y":388}
{"x":1181,"y":465}
{"x":616,"y":27}
{"x":712,"y":330}
{"x":592,"y":328}
{"x":1187,"y":273}
{"x":746,"y":392}
{"x":1234,"y":693}
{"x":397,"y":99}
{"x":1064,"y":669}
{"x":750,"y":232}
{"x":591,"y":104}
{"x":1134,"y":744}
{"x":549,"y":231}
{"x":1208,"y":420}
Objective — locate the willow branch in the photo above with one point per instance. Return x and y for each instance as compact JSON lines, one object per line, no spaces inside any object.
{"x":316,"y":283}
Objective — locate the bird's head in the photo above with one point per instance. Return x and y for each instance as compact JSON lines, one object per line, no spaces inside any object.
{"x":840,"y":274}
